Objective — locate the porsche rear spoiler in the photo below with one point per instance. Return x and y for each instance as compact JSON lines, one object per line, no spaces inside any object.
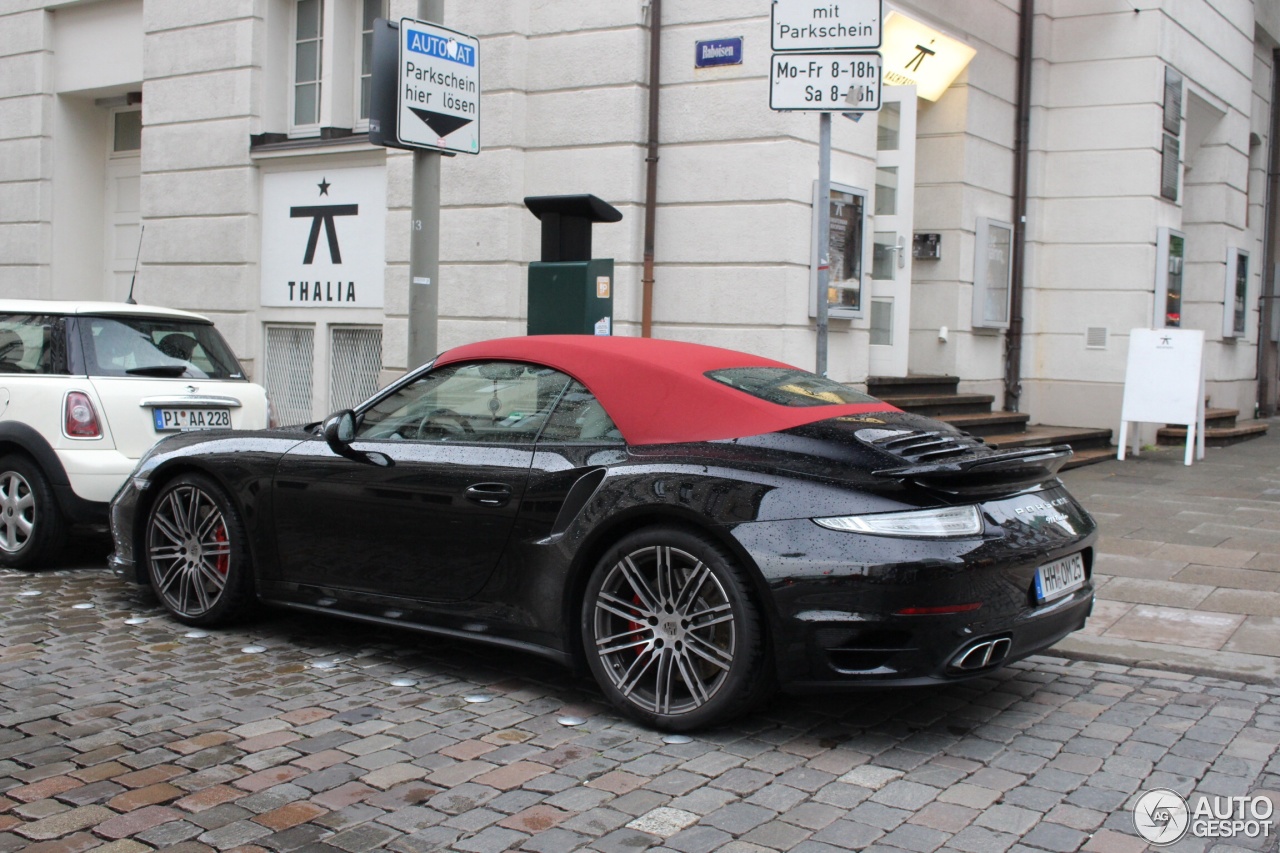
{"x":981,"y":472}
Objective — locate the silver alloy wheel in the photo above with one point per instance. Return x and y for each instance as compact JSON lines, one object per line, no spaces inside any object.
{"x":17,"y":512}
{"x":189,"y":550}
{"x":664,"y":630}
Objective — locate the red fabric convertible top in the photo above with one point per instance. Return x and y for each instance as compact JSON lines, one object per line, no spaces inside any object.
{"x":655,"y":390}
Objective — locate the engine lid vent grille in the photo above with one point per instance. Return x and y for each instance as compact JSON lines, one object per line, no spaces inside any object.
{"x":920,"y":445}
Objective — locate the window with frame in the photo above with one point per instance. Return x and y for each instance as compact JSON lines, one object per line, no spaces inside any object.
{"x":126,"y":132}
{"x":1171,"y":247}
{"x":844,"y":250}
{"x":1236,"y":301}
{"x":330,"y":64}
{"x":503,"y":402}
{"x":992,"y":274}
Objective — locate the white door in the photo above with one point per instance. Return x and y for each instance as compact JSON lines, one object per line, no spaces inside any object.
{"x":120,"y":242}
{"x":891,"y":226}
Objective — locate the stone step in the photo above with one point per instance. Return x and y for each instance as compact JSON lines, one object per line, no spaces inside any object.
{"x":1215,"y":436}
{"x":908,"y":386}
{"x":1047,"y":436}
{"x":1088,"y":445}
{"x":1216,"y":418}
{"x":1089,"y":457}
{"x":942,"y":405}
{"x":989,"y":423}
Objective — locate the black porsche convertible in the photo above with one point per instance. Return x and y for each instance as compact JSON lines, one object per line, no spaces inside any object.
{"x":694,"y":525}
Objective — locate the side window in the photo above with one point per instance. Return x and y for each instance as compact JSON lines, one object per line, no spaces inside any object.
{"x":31,"y":343}
{"x":483,"y":402}
{"x":580,"y":417}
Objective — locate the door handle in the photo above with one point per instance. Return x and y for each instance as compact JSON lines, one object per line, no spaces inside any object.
{"x":489,"y":494}
{"x":902,"y":251}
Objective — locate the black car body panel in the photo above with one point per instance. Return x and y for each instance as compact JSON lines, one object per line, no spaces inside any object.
{"x":407,"y":545}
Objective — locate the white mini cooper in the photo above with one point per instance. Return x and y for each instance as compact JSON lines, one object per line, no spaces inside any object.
{"x":86,"y":388}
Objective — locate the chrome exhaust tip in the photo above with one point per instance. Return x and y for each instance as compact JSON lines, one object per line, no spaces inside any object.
{"x":982,"y":654}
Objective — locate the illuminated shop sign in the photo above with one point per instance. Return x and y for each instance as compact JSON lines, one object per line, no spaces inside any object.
{"x":920,"y":56}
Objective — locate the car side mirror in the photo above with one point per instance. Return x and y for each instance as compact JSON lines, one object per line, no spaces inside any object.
{"x":339,"y":431}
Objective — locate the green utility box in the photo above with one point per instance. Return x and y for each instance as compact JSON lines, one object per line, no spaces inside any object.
{"x":571,"y":297}
{"x":570,"y":292}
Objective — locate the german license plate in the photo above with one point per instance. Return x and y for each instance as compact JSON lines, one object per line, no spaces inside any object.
{"x":177,"y":419}
{"x":1056,"y":579}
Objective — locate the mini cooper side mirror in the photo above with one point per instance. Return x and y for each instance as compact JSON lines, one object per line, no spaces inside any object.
{"x":340,"y":430}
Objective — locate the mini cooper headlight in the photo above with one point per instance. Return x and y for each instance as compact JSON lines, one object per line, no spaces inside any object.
{"x":927,"y":523}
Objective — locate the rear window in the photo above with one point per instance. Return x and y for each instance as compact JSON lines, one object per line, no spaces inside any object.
{"x":787,"y":386}
{"x":156,"y":346}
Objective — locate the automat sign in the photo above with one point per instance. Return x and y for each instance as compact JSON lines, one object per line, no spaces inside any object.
{"x":439,"y":91}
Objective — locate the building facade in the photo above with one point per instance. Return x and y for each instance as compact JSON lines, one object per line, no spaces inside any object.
{"x":220,"y":148}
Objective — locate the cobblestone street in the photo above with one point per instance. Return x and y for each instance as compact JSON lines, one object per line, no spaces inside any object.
{"x":296,"y":733}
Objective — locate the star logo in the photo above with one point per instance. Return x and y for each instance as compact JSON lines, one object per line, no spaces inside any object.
{"x":324,"y":186}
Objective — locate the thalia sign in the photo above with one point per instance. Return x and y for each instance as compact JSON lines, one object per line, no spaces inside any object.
{"x":324,"y":237}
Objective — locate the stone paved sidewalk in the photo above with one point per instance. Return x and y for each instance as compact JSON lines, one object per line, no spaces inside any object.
{"x":294,"y":734}
{"x":1188,"y":569}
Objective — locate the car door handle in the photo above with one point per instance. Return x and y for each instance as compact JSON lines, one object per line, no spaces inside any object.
{"x":489,"y":494}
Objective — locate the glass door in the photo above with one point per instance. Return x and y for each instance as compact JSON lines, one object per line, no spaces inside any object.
{"x":893,"y":209}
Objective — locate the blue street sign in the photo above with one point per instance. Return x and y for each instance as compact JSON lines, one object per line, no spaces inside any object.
{"x":718,"y":52}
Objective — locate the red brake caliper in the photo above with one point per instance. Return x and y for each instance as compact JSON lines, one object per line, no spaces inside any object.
{"x":223,"y":565}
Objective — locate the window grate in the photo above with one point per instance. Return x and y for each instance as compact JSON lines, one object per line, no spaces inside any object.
{"x":355,"y":357}
{"x":289,"y":356}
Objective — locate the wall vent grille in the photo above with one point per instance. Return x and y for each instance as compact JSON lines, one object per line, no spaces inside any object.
{"x":355,"y":357}
{"x":289,"y":358}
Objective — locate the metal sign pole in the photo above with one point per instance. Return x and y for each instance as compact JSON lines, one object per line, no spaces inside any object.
{"x":424,"y":237}
{"x":824,"y":236}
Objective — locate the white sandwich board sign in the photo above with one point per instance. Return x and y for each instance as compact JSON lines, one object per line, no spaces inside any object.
{"x":1164,"y":384}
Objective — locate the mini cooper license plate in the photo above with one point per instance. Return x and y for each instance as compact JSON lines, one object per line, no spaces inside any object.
{"x":179,"y":419}
{"x":1056,"y":579}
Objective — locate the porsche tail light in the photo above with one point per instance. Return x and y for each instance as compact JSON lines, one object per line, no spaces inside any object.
{"x":923,"y":523}
{"x":80,"y":420}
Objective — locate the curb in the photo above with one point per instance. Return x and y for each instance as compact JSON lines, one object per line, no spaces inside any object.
{"x":1237,"y":666}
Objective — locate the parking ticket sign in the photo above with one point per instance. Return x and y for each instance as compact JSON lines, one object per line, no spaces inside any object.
{"x":439,"y":88}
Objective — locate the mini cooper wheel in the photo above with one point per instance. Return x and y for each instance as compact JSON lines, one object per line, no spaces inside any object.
{"x":31,"y":525}
{"x":196,"y":552}
{"x":671,"y":633}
